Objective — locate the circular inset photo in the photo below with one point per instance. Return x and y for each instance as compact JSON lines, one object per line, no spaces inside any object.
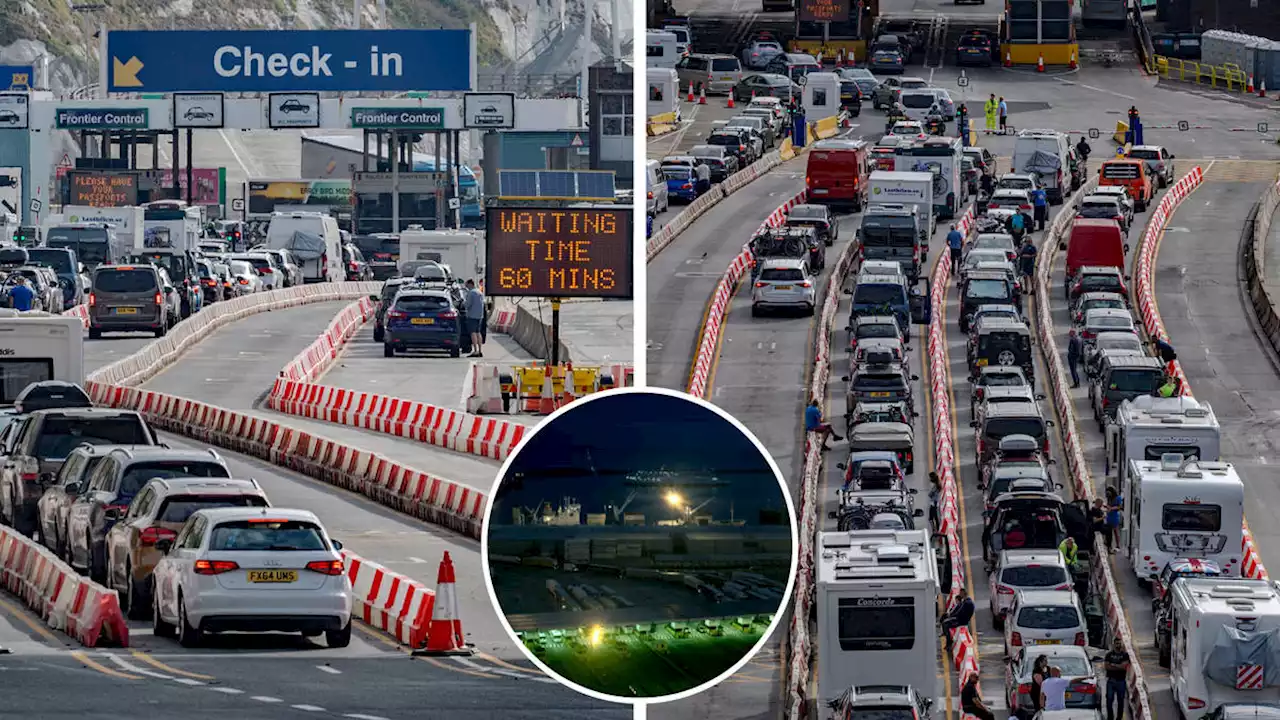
{"x":640,"y":545}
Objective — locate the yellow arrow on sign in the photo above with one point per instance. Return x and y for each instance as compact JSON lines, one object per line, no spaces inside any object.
{"x":126,"y":74}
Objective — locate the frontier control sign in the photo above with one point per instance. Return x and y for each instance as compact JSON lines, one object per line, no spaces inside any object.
{"x":559,"y":252}
{"x":288,"y":60}
{"x":102,"y":118}
{"x":398,"y":118}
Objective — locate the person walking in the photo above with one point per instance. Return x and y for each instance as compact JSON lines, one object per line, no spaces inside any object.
{"x":1075,"y":348}
{"x":955,"y":241}
{"x":991,"y":108}
{"x":1116,"y":664}
{"x":813,"y":423}
{"x":1040,"y":200}
{"x":1003,"y":107}
{"x":474,"y":306}
{"x":21,"y":296}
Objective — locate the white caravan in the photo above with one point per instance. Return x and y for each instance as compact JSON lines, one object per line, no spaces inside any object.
{"x":1225,"y":644}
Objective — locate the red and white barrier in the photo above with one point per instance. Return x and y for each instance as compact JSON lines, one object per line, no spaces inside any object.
{"x":709,"y":338}
{"x":68,"y":602}
{"x":388,"y":601}
{"x":316,"y":359}
{"x":81,"y":311}
{"x":1144,"y":296}
{"x":1057,"y":383}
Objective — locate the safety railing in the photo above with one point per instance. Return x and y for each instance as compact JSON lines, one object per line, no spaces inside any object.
{"x":1227,"y":76}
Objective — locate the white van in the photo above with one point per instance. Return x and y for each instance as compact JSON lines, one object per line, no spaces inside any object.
{"x":318,"y":264}
{"x":656,"y":186}
{"x":917,"y":104}
{"x":661,"y":49}
{"x":1046,"y":153}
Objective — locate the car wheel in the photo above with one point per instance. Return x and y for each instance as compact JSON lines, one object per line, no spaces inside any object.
{"x":755,"y":311}
{"x":95,"y":333}
{"x":388,"y":350}
{"x":136,"y":608}
{"x":338,"y":638}
{"x":455,"y":352}
{"x":163,"y":329}
{"x":808,"y":310}
{"x":159,"y":627}
{"x":997,"y":621}
{"x":188,"y":636}
{"x":378,"y":332}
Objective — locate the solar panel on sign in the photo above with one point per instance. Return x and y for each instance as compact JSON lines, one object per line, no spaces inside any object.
{"x":596,"y":185}
{"x":565,"y":184}
{"x":556,"y":183}
{"x":518,"y":183}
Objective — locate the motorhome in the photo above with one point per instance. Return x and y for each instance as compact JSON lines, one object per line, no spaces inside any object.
{"x":1225,"y":644}
{"x":661,"y":49}
{"x":170,"y":225}
{"x":35,"y":347}
{"x":1148,"y":427}
{"x":126,"y":222}
{"x":1179,"y":507}
{"x":461,"y":253}
{"x":941,"y":157}
{"x":877,"y":605}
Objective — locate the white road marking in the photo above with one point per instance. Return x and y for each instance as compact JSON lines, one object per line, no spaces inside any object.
{"x":521,"y":676}
{"x":471,"y":664}
{"x":265,"y":699}
{"x":130,"y":667}
{"x":326,"y":668}
{"x":358,"y":716}
{"x":187,"y":681}
{"x":227,"y":690}
{"x":308,"y":708}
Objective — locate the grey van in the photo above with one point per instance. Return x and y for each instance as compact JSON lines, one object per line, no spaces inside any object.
{"x":128,"y":298}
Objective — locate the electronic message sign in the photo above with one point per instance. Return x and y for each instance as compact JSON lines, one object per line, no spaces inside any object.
{"x":103,"y":189}
{"x":824,"y":10}
{"x":559,"y":252}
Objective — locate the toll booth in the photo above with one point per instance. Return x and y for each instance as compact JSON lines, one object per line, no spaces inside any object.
{"x":663,"y":91}
{"x":821,"y":95}
{"x":1035,"y":29}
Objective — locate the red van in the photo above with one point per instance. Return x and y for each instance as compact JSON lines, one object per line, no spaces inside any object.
{"x":1095,"y":241}
{"x":837,"y":173}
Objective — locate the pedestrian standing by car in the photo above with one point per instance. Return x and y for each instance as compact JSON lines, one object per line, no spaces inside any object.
{"x":1039,"y":673}
{"x":955,"y":241}
{"x":1027,"y":265}
{"x":474,"y":306}
{"x":813,"y":423}
{"x":1004,"y":116}
{"x":1098,"y":519}
{"x":1083,"y":149}
{"x":988,"y":185}
{"x":1075,"y":348}
{"x":1116,"y":664}
{"x":1017,"y":226}
{"x":1040,"y":199}
{"x":959,"y":616}
{"x":1115,"y":506}
{"x":935,"y":497}
{"x":21,"y":297}
{"x":1054,"y":690}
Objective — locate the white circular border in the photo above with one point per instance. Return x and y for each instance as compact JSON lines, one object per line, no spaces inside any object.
{"x":777,"y":615}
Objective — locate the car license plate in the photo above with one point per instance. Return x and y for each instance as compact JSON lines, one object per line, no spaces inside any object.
{"x":273,"y":576}
{"x":1047,"y":642}
{"x":819,"y":191}
{"x":879,"y":394}
{"x":727,"y":78}
{"x":422,"y":321}
{"x":782,"y":287}
{"x":126,"y":311}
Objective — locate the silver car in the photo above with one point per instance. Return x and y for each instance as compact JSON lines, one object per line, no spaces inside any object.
{"x":1159,"y":162}
{"x":244,"y":276}
{"x":783,"y":283}
{"x":757,"y":55}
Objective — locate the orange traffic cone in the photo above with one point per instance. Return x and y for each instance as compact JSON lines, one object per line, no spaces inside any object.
{"x":702,"y":95}
{"x":444,"y":636}
{"x":567,"y":397}
{"x":819,"y":58}
{"x":1073,"y":65}
{"x":753,"y":94}
{"x":840,"y":58}
{"x":1262,"y":87}
{"x":1249,"y":88}
{"x":1008,"y":58}
{"x":1040,"y":63}
{"x":547,"y":403}
{"x":689,"y":97}
{"x":730,"y":103}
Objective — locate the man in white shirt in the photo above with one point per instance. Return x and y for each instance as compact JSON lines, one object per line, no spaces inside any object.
{"x":1054,"y":690}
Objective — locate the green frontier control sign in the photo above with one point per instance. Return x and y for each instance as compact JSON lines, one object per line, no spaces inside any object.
{"x":102,"y":118}
{"x":416,"y":118}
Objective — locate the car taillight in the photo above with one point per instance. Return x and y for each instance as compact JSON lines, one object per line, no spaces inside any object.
{"x":30,"y":477}
{"x":324,"y":259}
{"x":1195,"y":703}
{"x":326,"y":567}
{"x":398,"y":315}
{"x":686,"y":186}
{"x":742,"y":148}
{"x":1064,"y":586}
{"x":244,"y":281}
{"x":93,"y":300}
{"x":1015,"y":639}
{"x":152,"y":535}
{"x":352,"y":265}
{"x":1084,"y":689}
{"x":650,"y":194}
{"x":226,"y":283}
{"x":1004,"y":590}
{"x":1105,"y":402}
{"x":159,"y":299}
{"x":992,"y":206}
{"x":1024,"y":689}
{"x":1080,"y":639}
{"x":1087,"y":334}
{"x":120,"y":508}
{"x":806,"y":284}
{"x":1117,"y":218}
{"x":762,"y":284}
{"x":1011,"y":255}
{"x":1024,"y":206}
{"x":447,"y":315}
{"x":214,"y":567}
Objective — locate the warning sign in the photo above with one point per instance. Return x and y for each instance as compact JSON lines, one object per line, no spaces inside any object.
{"x":103,"y":189}
{"x":66,"y":161}
{"x":577,"y":141}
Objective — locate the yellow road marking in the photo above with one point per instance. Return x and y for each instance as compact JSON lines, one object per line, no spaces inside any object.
{"x":30,"y":622}
{"x":510,"y":666}
{"x":94,"y":664}
{"x":370,"y":632}
{"x":446,"y":666}
{"x":144,"y":657}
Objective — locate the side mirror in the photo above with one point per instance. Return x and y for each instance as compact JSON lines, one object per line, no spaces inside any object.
{"x":168,"y":289}
{"x":1099,"y":171}
{"x":973,"y":423}
{"x":1126,"y":277}
{"x":841,"y":466}
{"x":913,"y":491}
{"x":375,"y":298}
{"x":112,"y":514}
{"x":918,"y":513}
{"x":831,"y":514}
{"x":845,"y":378}
{"x":1049,"y":423}
{"x":337,"y":544}
{"x":1057,"y":486}
{"x":46,"y":478}
{"x":1040,"y":396}
{"x":907,"y":348}
{"x":1172,"y":156}
{"x":1062,"y":245}
{"x":73,"y":489}
{"x":164,"y":545}
{"x":915,"y":378}
{"x":915,"y":413}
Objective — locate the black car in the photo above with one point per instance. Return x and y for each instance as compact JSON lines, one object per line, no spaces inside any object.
{"x":818,"y":217}
{"x":851,"y":97}
{"x":735,"y":143}
{"x":354,"y":265}
{"x":1001,"y":342}
{"x":975,"y":49}
{"x":765,"y":85}
{"x":983,"y":287}
{"x":717,"y":158}
{"x":389,"y":290}
{"x":293,"y":105}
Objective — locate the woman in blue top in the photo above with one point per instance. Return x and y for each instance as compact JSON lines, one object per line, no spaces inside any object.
{"x":813,"y":423}
{"x":1115,"y":503}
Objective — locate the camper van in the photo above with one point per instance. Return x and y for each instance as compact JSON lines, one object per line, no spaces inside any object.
{"x":1148,"y":427}
{"x":1226,"y":644}
{"x":661,"y":47}
{"x":877,"y":611}
{"x":1180,"y":507}
{"x":36,"y":347}
{"x":313,"y":239}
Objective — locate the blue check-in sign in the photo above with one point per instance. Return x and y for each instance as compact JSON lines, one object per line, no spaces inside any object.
{"x":17,"y":77}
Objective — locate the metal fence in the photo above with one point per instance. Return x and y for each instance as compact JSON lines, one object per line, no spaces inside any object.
{"x":1228,"y":76}
{"x":528,"y":85}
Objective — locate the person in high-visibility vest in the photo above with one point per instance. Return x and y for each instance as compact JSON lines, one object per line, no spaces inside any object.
{"x":1069,"y":551}
{"x":991,"y":107}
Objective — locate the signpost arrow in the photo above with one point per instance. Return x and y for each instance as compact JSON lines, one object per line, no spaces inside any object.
{"x":126,"y":74}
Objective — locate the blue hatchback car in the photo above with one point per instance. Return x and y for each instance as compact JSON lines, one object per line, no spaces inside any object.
{"x":423,"y":320}
{"x":681,"y":183}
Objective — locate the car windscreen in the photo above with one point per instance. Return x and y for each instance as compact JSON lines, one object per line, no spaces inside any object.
{"x":1008,"y":201}
{"x":1119,"y":341}
{"x":888,"y":232}
{"x":1146,"y":380}
{"x":879,"y":294}
{"x":992,"y":242}
{"x":60,"y":435}
{"x":731,"y":141}
{"x":1001,"y":484}
{"x":878,"y":330}
{"x":918,"y":101}
{"x":888,"y":712}
{"x":421,"y":303}
{"x":725,"y":65}
{"x":125,"y":281}
{"x":1050,"y":617}
{"x":58,"y":259}
{"x":1010,"y":314}
{"x":1140,"y":154}
{"x":1100,"y":283}
{"x":1072,"y":667}
{"x":987,"y":290}
{"x":267,"y":534}
{"x":1121,"y":171}
{"x":90,"y":251}
{"x":259,"y":263}
{"x":175,"y":265}
{"x":878,"y":382}
{"x":137,"y":475}
{"x":1034,"y":576}
{"x":1017,"y":183}
{"x":177,"y":508}
{"x":1110,"y":321}
{"x":240,"y":267}
{"x":1191,"y":518}
{"x":676,"y":172}
{"x":1103,"y":211}
{"x":782,"y":274}
{"x":16,"y":375}
{"x":378,"y":248}
{"x":1102,"y":304}
{"x":1003,"y":379}
{"x":1004,"y":427}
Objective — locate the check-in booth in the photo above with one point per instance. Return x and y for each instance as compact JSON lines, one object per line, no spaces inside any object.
{"x":662,"y":91}
{"x":821,"y":96}
{"x":1039,"y":28}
